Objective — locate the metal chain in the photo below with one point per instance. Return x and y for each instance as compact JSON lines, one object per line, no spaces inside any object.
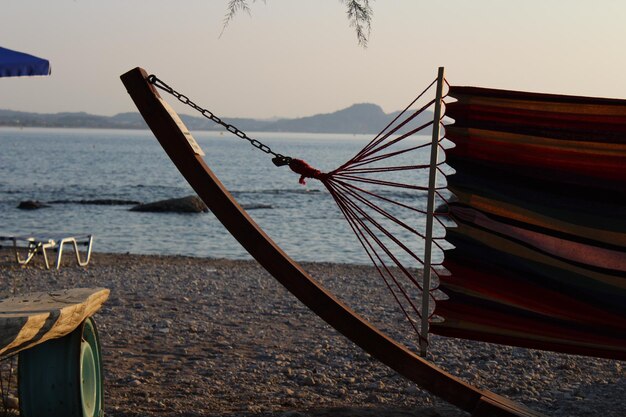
{"x":278,"y":159}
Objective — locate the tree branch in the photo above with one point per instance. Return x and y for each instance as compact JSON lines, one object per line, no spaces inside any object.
{"x":359,"y":14}
{"x":234,"y":7}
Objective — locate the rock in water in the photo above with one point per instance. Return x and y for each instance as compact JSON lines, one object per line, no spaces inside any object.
{"x":31,"y":205}
{"x":190,"y":204}
{"x":98,"y":202}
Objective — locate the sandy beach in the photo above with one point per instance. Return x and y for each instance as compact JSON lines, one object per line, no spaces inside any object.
{"x":203,"y":337}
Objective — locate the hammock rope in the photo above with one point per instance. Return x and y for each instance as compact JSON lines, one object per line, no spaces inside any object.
{"x":380,"y":266}
{"x":366,"y":187}
{"x":365,"y":209}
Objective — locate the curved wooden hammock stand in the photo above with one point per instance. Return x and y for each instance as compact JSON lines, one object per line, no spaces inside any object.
{"x":184,"y":152}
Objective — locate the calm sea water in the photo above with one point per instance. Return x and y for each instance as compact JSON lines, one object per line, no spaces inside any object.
{"x":85,"y":164}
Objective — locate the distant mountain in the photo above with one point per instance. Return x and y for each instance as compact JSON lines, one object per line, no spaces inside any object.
{"x":358,"y":118}
{"x":79,"y":119}
{"x":363,"y":118}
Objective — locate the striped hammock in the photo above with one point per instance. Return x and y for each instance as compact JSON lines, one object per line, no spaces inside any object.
{"x":540,"y":207}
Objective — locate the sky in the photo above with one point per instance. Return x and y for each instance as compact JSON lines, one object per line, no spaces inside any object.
{"x":294,"y":58}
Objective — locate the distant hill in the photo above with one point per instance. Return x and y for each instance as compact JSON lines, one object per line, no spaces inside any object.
{"x":358,"y":118}
{"x":363,"y":118}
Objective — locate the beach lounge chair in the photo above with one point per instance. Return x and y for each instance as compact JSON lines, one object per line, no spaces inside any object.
{"x":32,"y":245}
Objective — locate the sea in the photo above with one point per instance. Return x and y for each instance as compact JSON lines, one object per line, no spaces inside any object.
{"x":76,"y":167}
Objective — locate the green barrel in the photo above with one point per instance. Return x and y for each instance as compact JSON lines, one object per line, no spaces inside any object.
{"x":63,"y":377}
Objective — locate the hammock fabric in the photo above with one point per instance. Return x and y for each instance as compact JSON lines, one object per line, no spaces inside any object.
{"x":540,"y":243}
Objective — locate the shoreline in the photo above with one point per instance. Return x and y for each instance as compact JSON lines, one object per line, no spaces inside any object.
{"x":216,"y":337}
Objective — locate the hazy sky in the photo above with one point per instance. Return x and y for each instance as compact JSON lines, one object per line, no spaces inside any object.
{"x":299,"y":57}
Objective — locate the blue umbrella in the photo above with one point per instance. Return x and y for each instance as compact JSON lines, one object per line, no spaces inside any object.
{"x":17,"y":64}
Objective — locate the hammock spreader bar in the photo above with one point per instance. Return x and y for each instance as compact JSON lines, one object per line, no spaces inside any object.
{"x":430,"y":209}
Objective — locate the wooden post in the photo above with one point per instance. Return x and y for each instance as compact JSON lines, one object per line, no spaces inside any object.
{"x":430,"y":209}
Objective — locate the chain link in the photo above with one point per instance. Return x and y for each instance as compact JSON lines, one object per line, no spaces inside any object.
{"x":278,"y":159}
